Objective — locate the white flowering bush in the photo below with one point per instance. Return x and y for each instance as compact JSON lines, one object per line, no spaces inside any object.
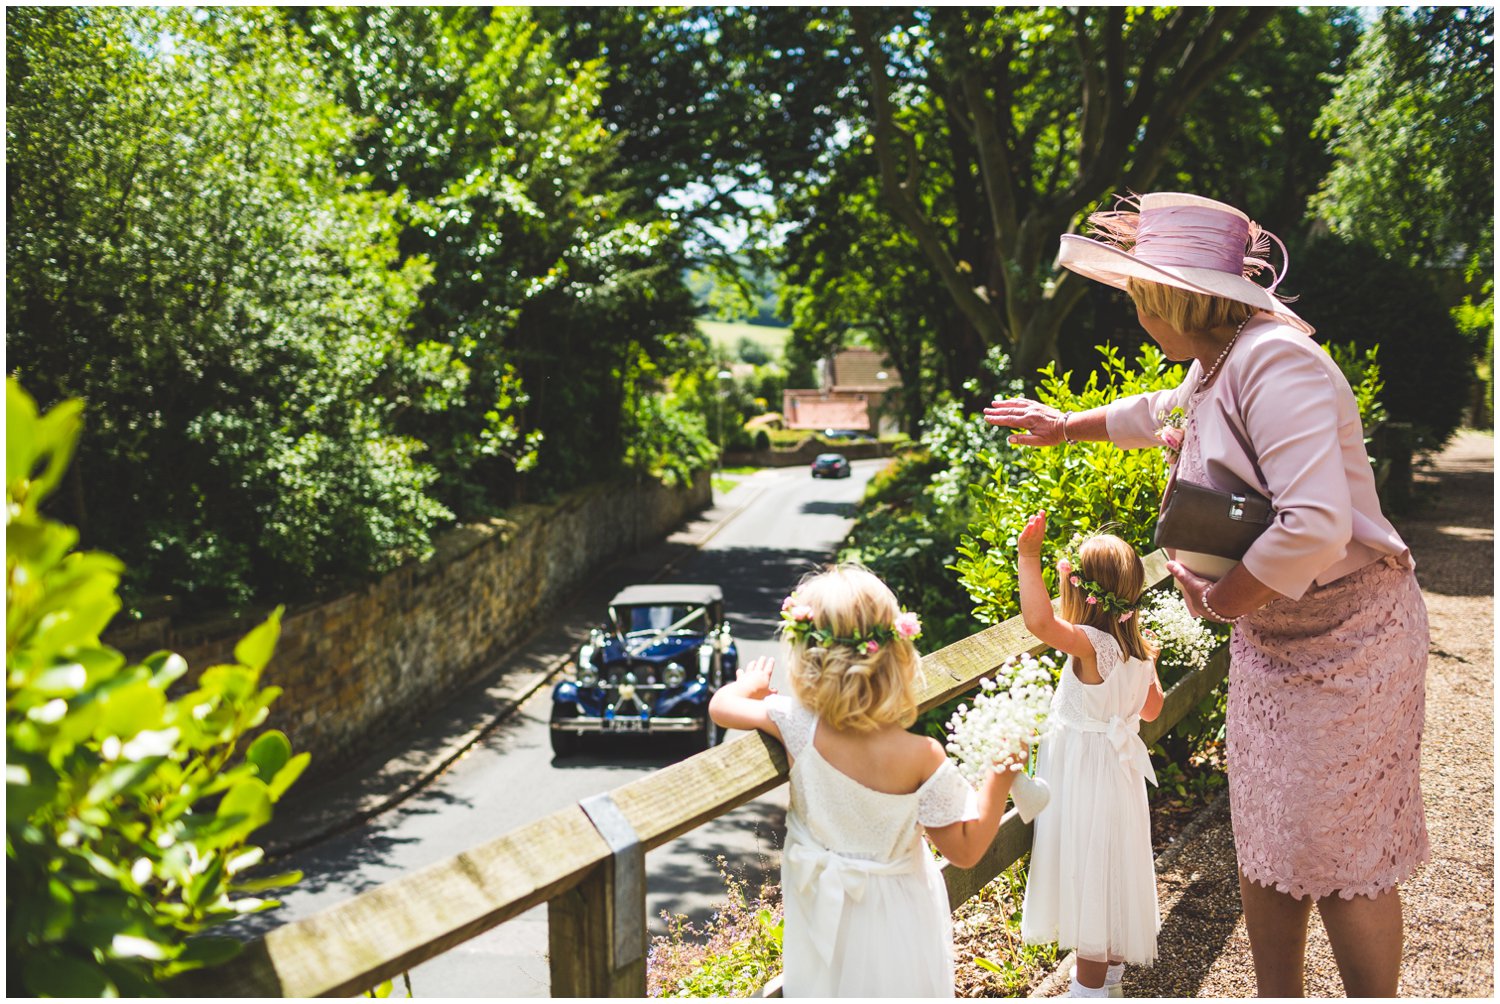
{"x":1006,"y":715}
{"x":1185,"y":641}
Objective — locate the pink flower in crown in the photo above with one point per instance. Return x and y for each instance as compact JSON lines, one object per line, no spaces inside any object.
{"x":787,"y":603}
{"x":1075,"y":580}
{"x":908,"y":625}
{"x":801,"y":612}
{"x":1091,"y":600}
{"x":1126,"y":616}
{"x":871,"y":647}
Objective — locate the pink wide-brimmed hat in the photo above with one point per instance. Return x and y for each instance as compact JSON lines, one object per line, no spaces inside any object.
{"x":1185,"y":241}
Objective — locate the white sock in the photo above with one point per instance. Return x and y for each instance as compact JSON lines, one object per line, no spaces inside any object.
{"x":1114,"y":974}
{"x":1077,"y":989}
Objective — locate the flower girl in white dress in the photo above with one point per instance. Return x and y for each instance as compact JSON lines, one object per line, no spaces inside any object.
{"x":1092,"y":881}
{"x":867,"y":912}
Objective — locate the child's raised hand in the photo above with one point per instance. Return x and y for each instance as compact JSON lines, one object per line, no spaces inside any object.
{"x":1029,"y":543}
{"x":754,"y":678}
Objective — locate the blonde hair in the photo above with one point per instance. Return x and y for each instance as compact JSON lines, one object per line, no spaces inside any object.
{"x":1114,"y":565}
{"x":1185,"y":310}
{"x":844,"y":685}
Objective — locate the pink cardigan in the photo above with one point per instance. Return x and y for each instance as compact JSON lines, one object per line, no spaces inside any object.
{"x":1280,"y":418}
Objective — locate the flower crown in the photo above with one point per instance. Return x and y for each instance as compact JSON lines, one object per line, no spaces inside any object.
{"x":797,"y":623}
{"x":1094,"y":594}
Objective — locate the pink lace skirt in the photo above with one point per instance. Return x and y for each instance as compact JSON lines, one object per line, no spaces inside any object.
{"x":1324,"y":736}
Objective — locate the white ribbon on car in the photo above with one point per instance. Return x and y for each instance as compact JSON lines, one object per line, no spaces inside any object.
{"x":827,"y":880}
{"x":1124,"y":733}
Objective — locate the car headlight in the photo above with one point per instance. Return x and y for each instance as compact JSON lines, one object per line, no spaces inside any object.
{"x":587,"y":676}
{"x":674,"y":674}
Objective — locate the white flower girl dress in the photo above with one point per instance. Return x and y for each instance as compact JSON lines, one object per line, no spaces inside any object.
{"x":867,"y":912}
{"x":1092,"y":881}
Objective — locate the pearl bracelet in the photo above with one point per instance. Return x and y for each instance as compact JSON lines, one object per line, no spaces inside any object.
{"x":1209,"y":609}
{"x":1066,"y":437}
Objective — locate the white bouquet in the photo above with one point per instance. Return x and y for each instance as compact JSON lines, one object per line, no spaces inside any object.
{"x":1184,"y":640}
{"x":1006,"y":716}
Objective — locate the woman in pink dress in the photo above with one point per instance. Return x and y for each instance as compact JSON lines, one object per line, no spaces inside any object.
{"x":1328,"y":656}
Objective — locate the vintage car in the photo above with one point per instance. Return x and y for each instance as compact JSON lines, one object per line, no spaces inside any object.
{"x":651,"y":668}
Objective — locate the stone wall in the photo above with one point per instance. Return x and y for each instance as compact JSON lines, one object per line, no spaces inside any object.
{"x":360,"y":664}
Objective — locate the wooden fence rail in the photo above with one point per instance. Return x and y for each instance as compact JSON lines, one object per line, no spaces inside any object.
{"x":587,"y":862}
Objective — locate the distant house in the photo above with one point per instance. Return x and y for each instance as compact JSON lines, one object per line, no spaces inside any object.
{"x":853,"y":385}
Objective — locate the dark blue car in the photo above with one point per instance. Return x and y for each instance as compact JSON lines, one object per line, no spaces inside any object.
{"x":651,"y":668}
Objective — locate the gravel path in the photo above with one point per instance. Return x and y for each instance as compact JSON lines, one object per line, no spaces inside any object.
{"x":1450,"y":904}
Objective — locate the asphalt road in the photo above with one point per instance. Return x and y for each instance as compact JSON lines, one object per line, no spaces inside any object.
{"x":510,"y":777}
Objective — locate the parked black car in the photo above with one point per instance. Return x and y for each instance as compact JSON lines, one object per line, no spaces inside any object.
{"x":651,"y":668}
{"x":830,"y":465}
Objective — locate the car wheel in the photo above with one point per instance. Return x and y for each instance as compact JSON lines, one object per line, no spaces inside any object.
{"x":564,"y":743}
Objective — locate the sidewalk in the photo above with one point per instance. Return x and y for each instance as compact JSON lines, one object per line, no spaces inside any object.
{"x":322,"y":806}
{"x":1449,"y":905}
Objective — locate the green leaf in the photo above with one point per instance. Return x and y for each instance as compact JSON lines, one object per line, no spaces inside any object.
{"x":255,"y":649}
{"x":207,"y":884}
{"x":166,"y":668}
{"x":120,"y":778}
{"x":269,"y":882}
{"x":207,"y":950}
{"x":269,"y":753}
{"x":246,"y":807}
{"x":130,"y":946}
{"x":126,"y":711}
{"x":288,"y":775}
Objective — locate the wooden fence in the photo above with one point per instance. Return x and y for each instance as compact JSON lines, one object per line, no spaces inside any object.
{"x":587,"y":863}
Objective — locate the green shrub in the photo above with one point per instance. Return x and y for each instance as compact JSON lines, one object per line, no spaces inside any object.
{"x":127,"y":811}
{"x":1362,"y":371}
{"x":667,"y":441}
{"x":1082,"y":487}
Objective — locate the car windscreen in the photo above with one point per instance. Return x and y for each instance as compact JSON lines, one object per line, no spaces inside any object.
{"x":658,"y":618}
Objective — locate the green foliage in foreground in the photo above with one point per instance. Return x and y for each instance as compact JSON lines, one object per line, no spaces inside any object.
{"x":127,"y":812}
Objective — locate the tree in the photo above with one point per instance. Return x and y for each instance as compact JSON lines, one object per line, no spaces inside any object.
{"x":1050,"y":110}
{"x":186,"y":256}
{"x":718,"y":109}
{"x":1411,"y":130}
{"x":551,"y":274}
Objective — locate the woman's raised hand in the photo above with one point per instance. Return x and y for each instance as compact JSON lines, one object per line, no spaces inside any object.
{"x":1040,"y":424}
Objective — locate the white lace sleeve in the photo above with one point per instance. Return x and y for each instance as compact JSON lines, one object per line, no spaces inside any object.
{"x":1106,"y":650}
{"x":946,"y":798}
{"x":794,"y":721}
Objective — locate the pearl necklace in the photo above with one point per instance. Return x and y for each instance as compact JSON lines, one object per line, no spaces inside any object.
{"x":1214,"y":369}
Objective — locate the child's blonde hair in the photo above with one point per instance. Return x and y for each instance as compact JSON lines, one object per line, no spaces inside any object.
{"x":1112,"y":564}
{"x":849,"y":686}
{"x":1185,"y":310}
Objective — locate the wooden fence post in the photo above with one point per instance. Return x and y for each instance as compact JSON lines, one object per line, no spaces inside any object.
{"x":596,"y":931}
